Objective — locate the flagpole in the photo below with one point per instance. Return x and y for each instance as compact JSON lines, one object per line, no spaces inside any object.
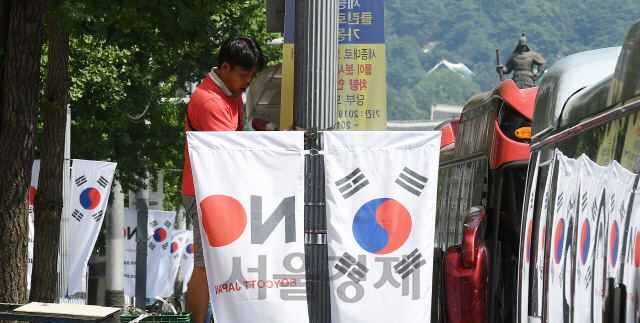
{"x":141,"y":243}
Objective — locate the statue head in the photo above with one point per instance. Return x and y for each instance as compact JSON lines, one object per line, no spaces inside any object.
{"x":522,"y":45}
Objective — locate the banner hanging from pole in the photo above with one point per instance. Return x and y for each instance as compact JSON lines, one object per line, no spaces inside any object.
{"x":130,"y":249}
{"x":35,"y":173}
{"x":187,"y":261}
{"x":178,"y":244}
{"x":249,"y":190}
{"x":90,"y":189}
{"x":381,"y":190}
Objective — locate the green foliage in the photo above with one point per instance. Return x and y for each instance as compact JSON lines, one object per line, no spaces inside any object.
{"x":443,"y":86}
{"x":468,"y":32}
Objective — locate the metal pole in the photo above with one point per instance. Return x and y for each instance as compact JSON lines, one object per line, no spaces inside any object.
{"x":114,"y":289}
{"x":315,"y":106}
{"x":141,"y":245}
{"x":63,"y":249}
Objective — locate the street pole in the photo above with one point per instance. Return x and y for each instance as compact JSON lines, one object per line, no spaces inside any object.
{"x":141,"y":243}
{"x":63,"y":246}
{"x":114,"y":289}
{"x":315,"y":108}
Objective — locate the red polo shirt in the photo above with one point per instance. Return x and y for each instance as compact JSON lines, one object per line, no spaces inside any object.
{"x":212,"y":107}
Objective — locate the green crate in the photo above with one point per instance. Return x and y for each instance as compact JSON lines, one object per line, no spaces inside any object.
{"x":167,"y":318}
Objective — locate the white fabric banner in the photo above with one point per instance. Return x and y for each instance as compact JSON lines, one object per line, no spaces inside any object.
{"x":589,"y":253}
{"x":525,"y":246}
{"x":90,"y":189}
{"x":381,"y":190}
{"x":632,"y":264}
{"x":130,"y":249}
{"x":35,"y":173}
{"x":178,"y":245}
{"x":563,"y":219}
{"x":187,"y":261}
{"x":160,"y":231}
{"x":255,"y":268}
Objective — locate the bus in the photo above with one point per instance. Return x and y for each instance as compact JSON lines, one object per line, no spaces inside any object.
{"x":483,"y":165}
{"x":579,"y":250}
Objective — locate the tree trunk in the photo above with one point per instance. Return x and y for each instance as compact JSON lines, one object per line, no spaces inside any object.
{"x":48,"y":201}
{"x":19,"y":109}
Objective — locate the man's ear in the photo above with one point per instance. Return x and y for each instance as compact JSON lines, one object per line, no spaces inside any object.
{"x":225,"y":67}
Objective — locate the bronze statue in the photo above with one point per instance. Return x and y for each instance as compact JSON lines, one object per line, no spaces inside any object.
{"x":521,"y":63}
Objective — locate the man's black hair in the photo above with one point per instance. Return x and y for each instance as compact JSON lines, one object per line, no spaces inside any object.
{"x":243,"y":51}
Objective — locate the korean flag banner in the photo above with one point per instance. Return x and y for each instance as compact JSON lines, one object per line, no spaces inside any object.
{"x":176,"y":250}
{"x":381,"y":190}
{"x":249,"y":194}
{"x":90,"y":188}
{"x":187,"y":261}
{"x":160,"y":231}
{"x":35,"y":173}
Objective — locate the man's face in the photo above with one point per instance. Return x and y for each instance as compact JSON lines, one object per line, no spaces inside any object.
{"x":236,"y":78}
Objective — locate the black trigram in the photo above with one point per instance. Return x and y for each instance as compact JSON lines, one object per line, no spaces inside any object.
{"x":180,"y":239}
{"x":103,"y":182}
{"x":352,"y":183}
{"x":413,"y":261}
{"x":411,"y":181}
{"x":80,"y":180}
{"x":167,"y":224}
{"x":154,"y":223}
{"x":152,"y":246}
{"x":77,"y":215}
{"x":98,"y":216}
{"x":165,"y":245}
{"x":351,"y":267}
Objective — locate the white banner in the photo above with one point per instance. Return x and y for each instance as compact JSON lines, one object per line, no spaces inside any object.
{"x":563,"y":219}
{"x":35,"y":173}
{"x":130,"y":248}
{"x":381,"y":190}
{"x":187,"y":261}
{"x":178,"y":245}
{"x":255,"y":268}
{"x":589,"y":262}
{"x":159,"y":230}
{"x":90,"y":188}
{"x":632,"y":264}
{"x":525,"y":245}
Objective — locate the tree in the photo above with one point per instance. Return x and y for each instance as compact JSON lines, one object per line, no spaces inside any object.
{"x":48,"y":200}
{"x":443,"y":86}
{"x":20,"y":50}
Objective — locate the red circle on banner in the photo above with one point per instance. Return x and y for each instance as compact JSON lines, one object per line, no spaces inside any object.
{"x":32,"y":193}
{"x":223,"y":219}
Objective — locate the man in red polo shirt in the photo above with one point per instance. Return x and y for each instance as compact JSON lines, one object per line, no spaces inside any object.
{"x":216,"y":105}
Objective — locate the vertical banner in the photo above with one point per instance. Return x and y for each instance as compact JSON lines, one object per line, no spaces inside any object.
{"x":362,"y":81}
{"x":177,"y":249}
{"x":589,"y":252}
{"x":286,"y":100}
{"x":90,"y":188}
{"x":525,"y":246}
{"x":632,"y":264}
{"x":381,"y":190}
{"x":35,"y":173}
{"x":160,"y":230}
{"x":187,"y":261}
{"x":563,"y":221}
{"x":130,"y":248}
{"x":249,"y":190}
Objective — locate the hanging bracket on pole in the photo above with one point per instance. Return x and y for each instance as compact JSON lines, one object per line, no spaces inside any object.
{"x":311,"y":133}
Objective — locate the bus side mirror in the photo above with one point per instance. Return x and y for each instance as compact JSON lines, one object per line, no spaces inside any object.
{"x":473,"y":230}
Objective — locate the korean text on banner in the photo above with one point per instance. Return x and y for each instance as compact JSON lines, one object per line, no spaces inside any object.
{"x":249,"y":189}
{"x":130,"y":248}
{"x":381,"y":193}
{"x":90,"y":189}
{"x":362,"y":94}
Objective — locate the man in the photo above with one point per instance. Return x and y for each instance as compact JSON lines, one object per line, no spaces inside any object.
{"x":521,"y":63}
{"x":216,"y":105}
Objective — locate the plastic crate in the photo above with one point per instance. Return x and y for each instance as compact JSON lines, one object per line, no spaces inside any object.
{"x":167,"y":318}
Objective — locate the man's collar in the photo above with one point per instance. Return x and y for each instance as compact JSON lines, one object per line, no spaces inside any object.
{"x":216,"y":79}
